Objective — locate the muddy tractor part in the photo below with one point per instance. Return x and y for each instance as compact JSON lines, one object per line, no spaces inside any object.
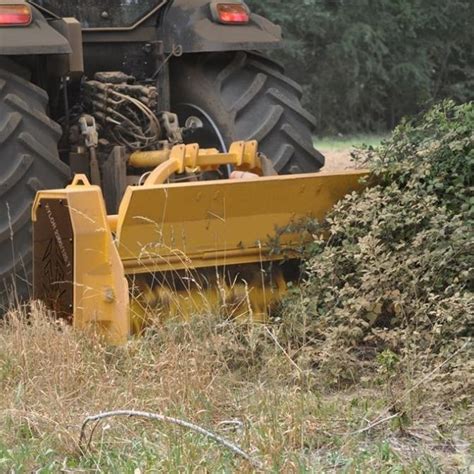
{"x":109,"y":89}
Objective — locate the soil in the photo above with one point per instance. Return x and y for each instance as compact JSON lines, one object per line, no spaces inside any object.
{"x":337,"y":160}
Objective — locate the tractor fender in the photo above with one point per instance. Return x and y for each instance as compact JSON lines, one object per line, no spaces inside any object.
{"x":37,"y":38}
{"x":188,"y":25}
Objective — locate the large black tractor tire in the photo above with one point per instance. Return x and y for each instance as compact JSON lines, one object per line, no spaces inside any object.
{"x":245,"y":96}
{"x":29,"y":161}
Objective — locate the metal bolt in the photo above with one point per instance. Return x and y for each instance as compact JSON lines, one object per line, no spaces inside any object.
{"x":109,"y":295}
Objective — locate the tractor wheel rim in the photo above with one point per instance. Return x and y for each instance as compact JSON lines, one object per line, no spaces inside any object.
{"x":209,"y":136}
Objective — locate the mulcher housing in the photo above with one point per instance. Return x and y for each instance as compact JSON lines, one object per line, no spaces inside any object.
{"x":179,"y":249}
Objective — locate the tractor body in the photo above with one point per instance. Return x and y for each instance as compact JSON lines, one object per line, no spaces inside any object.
{"x":156,"y":107}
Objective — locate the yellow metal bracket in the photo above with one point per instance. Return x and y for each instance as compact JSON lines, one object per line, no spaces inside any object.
{"x":100,"y":296}
{"x":242,"y":155}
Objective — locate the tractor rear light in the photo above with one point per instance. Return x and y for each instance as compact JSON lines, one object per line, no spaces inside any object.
{"x":15,"y":15}
{"x":231,"y":13}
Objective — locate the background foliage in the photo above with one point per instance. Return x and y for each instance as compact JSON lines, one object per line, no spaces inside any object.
{"x":366,"y":63}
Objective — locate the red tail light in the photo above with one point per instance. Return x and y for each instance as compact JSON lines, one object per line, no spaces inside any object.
{"x":232,"y":13}
{"x":15,"y":15}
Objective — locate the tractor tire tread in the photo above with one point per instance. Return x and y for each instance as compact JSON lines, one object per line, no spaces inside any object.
{"x":249,"y":98}
{"x":29,"y":161}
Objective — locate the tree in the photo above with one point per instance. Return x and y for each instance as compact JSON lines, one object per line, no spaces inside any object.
{"x":366,"y":63}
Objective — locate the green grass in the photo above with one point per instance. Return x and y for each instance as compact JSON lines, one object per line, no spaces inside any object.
{"x":346,"y":142}
{"x":206,"y":372}
{"x":290,"y":432}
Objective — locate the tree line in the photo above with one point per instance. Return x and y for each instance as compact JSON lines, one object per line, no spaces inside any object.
{"x":364,"y":64}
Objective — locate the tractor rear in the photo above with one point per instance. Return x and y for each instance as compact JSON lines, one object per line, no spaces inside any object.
{"x":83,"y":84}
{"x":156,"y":107}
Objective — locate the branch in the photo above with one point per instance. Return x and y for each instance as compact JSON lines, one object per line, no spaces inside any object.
{"x":374,"y":424}
{"x":167,"y":419}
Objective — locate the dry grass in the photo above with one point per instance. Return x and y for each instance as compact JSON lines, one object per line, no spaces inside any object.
{"x":208,"y":372}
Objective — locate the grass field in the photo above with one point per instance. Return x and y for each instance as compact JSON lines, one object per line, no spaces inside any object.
{"x":236,"y":380}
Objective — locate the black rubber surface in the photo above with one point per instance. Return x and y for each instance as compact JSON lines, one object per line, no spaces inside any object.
{"x":29,"y":161}
{"x":249,"y":97}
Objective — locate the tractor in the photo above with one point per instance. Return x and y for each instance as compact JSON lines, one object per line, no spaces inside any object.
{"x":85,"y":85}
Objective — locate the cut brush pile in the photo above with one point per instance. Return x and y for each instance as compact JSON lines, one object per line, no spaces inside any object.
{"x":368,"y":367}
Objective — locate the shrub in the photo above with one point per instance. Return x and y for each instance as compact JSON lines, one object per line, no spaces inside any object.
{"x":397,"y":270}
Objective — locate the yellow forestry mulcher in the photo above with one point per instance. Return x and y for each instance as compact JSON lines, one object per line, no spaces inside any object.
{"x":176,"y":249}
{"x":153,"y":111}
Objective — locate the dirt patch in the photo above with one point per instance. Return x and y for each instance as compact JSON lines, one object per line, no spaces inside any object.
{"x":337,"y":159}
